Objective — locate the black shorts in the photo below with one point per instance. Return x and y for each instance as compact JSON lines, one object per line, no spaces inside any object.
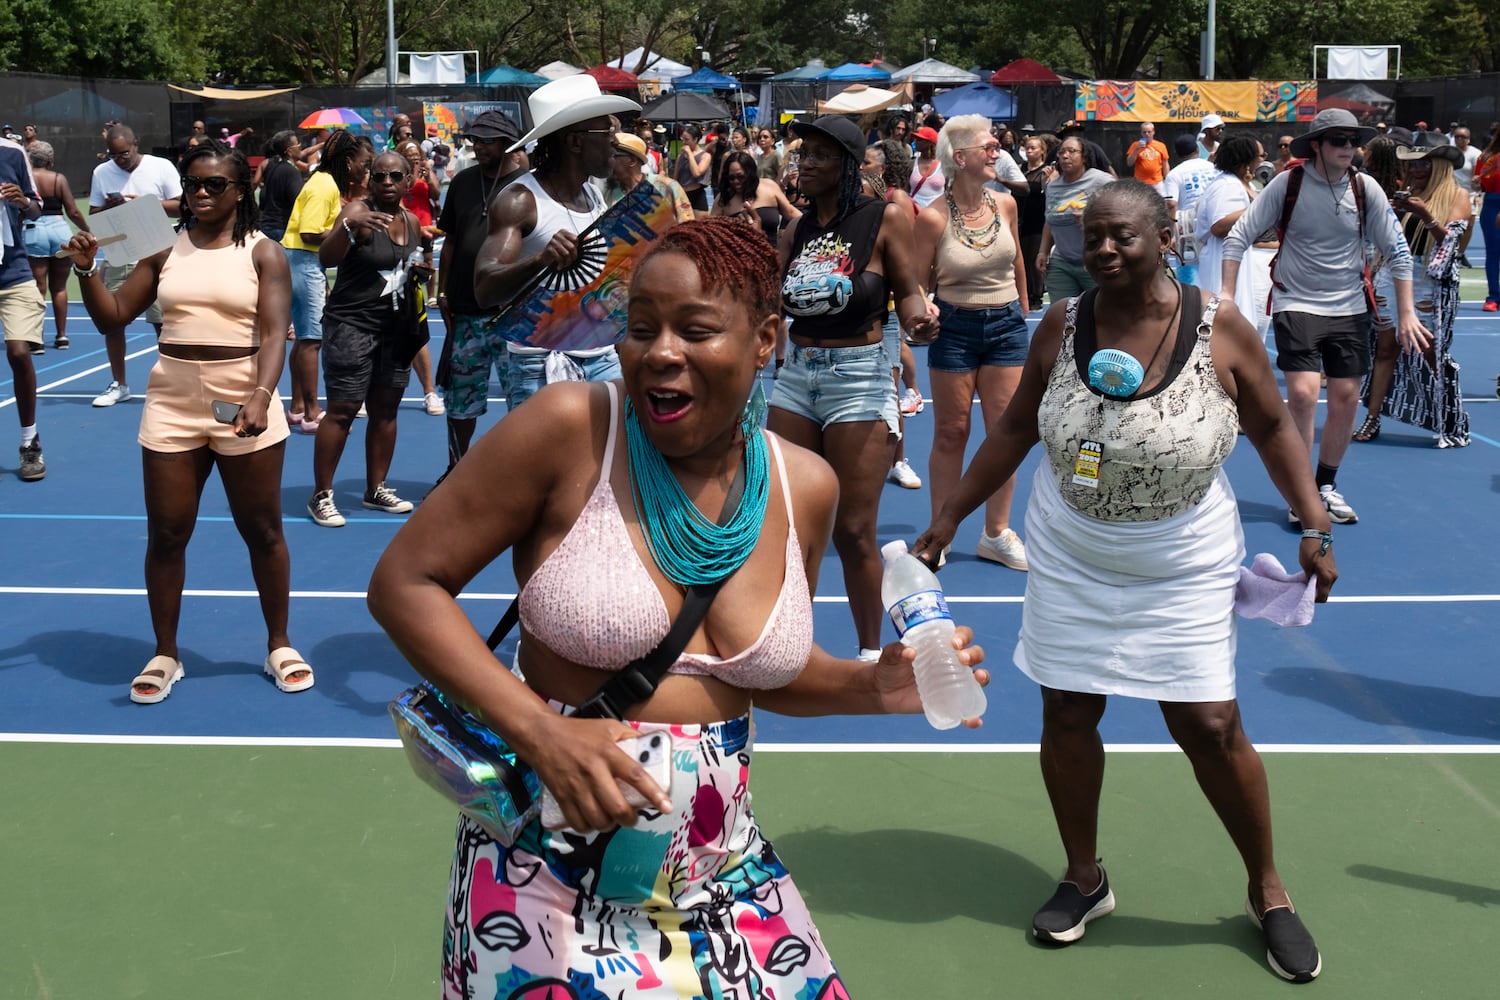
{"x":354,"y":360}
{"x":1338,"y":346}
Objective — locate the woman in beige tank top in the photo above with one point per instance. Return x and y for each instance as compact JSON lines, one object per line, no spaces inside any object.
{"x":967,"y":257}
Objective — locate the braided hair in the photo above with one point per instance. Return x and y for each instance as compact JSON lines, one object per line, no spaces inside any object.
{"x":247,"y":213}
{"x":897,"y":172}
{"x":851,"y":187}
{"x":339,"y":151}
{"x":728,"y":254}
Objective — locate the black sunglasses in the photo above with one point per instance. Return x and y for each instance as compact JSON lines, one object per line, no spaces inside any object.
{"x":381,"y":176}
{"x":213,"y":185}
{"x":1339,"y":141}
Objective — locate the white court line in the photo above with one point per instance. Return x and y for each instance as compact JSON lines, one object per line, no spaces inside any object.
{"x":11,"y":401}
{"x":94,"y":739}
{"x":360,"y":595}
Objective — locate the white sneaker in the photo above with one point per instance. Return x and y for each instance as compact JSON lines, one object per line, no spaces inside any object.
{"x":1339,"y":512}
{"x":902,"y":475}
{"x":433,"y":403}
{"x":118,"y":392}
{"x":868,"y":655}
{"x":362,"y":411}
{"x":912,"y":403}
{"x":324,"y":511}
{"x":1005,"y":548}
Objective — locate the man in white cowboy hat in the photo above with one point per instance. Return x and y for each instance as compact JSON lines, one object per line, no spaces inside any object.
{"x":535,"y":222}
{"x":1320,"y":309}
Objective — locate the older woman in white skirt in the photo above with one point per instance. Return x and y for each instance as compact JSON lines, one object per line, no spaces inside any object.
{"x":1135,"y":390}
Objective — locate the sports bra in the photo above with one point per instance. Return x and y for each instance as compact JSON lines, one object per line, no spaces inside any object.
{"x":828,"y":288}
{"x":592,"y":601}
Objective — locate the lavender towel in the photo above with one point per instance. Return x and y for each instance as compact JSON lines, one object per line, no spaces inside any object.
{"x":1266,"y":590}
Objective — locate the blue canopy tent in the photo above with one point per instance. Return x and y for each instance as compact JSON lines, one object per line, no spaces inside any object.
{"x":705,"y":80}
{"x":506,"y":76}
{"x":995,"y":103}
{"x":851,"y":72}
{"x":802,"y":74}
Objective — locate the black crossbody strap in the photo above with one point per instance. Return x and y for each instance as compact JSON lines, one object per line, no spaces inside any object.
{"x":639,"y":678}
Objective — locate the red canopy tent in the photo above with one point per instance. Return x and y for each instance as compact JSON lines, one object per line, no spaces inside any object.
{"x":613,"y":78}
{"x":1023,"y":71}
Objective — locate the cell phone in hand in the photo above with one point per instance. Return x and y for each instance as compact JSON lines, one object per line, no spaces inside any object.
{"x":654,"y":753}
{"x":225,"y":412}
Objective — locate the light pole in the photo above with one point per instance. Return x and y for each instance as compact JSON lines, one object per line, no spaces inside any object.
{"x":390,"y":43}
{"x":926,"y":44}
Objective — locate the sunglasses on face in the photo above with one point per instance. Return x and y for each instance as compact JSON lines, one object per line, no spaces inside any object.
{"x":1285,"y":145}
{"x":213,"y":185}
{"x":381,"y":176}
{"x":1339,"y":141}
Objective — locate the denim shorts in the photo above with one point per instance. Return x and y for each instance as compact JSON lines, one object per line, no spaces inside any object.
{"x":971,"y":338}
{"x":838,"y":385}
{"x":528,"y":373}
{"x":46,"y":235}
{"x":309,"y":292}
{"x":890,"y":335}
{"x":355,"y":360}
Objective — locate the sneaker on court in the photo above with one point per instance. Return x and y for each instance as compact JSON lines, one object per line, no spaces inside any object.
{"x":1339,"y":512}
{"x":1490,"y":305}
{"x":912,"y":403}
{"x":1291,"y":517}
{"x":60,"y":342}
{"x":38,"y":348}
{"x":118,"y":392}
{"x":362,"y":412}
{"x":1005,"y":548}
{"x":1290,"y":948}
{"x":32,"y":466}
{"x":384,"y":498}
{"x":903,"y":475}
{"x":1062,"y":918}
{"x":324,"y":511}
{"x":433,"y":404}
{"x":868,"y":655}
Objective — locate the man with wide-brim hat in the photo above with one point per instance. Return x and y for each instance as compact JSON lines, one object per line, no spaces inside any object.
{"x":473,"y":346}
{"x":535,"y":223}
{"x":1320,"y":309}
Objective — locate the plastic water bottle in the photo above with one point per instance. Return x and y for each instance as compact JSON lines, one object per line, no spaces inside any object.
{"x":910,"y":591}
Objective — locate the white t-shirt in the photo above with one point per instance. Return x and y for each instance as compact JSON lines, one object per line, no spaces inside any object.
{"x":1186,"y":181}
{"x":1223,"y":196}
{"x":1464,"y":176}
{"x":153,"y":175}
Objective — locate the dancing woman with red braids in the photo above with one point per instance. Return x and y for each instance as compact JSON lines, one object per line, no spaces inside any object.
{"x":683,"y":898}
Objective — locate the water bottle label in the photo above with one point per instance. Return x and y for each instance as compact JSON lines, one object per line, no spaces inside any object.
{"x":923,"y":606}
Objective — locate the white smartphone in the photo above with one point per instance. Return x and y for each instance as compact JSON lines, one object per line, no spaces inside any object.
{"x":654,"y":753}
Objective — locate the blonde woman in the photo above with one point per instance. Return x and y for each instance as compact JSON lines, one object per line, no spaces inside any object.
{"x":968,"y":254}
{"x":1421,"y":388}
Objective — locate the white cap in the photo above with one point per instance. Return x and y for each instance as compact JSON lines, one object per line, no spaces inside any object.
{"x":1210,"y":121}
{"x":891,"y":551}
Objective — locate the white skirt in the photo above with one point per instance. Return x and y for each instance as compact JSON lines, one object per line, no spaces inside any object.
{"x":1141,"y":609}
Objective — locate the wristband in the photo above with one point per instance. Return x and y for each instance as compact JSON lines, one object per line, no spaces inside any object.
{"x":264,"y":390}
{"x":1326,"y":536}
{"x":93,"y":270}
{"x":349,"y":231}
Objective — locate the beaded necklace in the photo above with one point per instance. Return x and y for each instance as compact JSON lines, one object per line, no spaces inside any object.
{"x":975,"y":239}
{"x":689,"y":548}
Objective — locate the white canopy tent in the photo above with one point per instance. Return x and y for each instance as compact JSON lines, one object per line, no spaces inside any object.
{"x":557,"y":70}
{"x":657,"y":67}
{"x":935,"y":71}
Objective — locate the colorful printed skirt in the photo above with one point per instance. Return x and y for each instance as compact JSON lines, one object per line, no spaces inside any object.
{"x":694,"y":903}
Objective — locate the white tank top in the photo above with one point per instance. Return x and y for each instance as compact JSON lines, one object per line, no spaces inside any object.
{"x":553,"y":217}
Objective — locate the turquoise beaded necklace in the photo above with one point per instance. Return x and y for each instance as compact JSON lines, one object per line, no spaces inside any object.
{"x":689,"y":548}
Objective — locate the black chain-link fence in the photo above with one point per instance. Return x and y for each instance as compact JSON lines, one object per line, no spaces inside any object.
{"x":71,"y":112}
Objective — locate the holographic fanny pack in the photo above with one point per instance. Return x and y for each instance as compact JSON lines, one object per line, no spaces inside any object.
{"x":467,"y":762}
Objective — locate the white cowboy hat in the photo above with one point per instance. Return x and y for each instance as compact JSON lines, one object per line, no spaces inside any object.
{"x":573,"y":99}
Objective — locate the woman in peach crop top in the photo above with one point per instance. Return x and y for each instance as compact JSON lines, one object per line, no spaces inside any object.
{"x":550,"y":484}
{"x":225,"y":293}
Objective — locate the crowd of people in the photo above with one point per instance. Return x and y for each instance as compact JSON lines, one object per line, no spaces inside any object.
{"x":811,"y":258}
